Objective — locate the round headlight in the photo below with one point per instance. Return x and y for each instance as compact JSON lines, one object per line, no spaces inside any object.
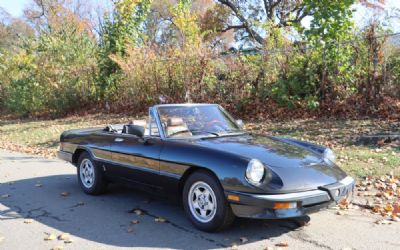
{"x":329,"y":155}
{"x":255,"y":171}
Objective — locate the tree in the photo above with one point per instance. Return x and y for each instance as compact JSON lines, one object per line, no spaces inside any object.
{"x":123,"y":27}
{"x":247,"y":17}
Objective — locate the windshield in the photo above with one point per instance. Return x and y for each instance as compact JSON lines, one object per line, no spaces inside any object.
{"x":187,"y":121}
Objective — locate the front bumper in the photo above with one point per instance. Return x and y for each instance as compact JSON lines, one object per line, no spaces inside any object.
{"x":262,"y":206}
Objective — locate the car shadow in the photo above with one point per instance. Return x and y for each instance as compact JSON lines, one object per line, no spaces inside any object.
{"x":108,"y":218}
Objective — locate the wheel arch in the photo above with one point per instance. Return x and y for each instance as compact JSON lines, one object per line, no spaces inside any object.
{"x":192,"y":170}
{"x":77,"y":154}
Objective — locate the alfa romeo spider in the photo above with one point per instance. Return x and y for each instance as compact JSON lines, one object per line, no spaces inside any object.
{"x":220,"y":171}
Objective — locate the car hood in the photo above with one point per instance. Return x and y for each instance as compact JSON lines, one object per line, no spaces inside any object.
{"x":297,"y":167}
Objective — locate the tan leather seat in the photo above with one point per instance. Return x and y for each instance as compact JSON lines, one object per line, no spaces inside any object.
{"x":176,"y":124}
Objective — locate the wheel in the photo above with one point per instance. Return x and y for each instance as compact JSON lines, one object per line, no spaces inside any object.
{"x":90,"y":176}
{"x":205,"y":204}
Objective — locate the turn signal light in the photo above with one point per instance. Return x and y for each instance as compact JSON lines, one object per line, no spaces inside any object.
{"x":233,"y":197}
{"x":284,"y":205}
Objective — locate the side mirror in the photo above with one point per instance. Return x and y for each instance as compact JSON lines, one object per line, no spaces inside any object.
{"x":240,"y":123}
{"x":134,"y":130}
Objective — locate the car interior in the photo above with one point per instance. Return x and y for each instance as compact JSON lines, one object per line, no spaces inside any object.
{"x":172,"y":126}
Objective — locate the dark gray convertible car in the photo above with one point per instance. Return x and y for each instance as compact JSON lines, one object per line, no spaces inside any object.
{"x":200,"y":153}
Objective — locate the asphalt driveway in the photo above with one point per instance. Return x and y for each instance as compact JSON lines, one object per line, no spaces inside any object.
{"x":31,"y":187}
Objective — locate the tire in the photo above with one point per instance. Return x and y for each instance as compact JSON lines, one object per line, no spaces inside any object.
{"x":202,"y":191}
{"x":90,"y":175}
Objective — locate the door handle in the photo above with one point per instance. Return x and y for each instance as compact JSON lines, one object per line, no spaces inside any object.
{"x":119,"y":139}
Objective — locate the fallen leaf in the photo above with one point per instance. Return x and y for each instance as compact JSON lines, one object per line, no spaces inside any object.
{"x":160,"y":219}
{"x":68,"y":241}
{"x":136,"y":211}
{"x":65,"y":194}
{"x":64,"y":236}
{"x":282,"y":244}
{"x":383,"y":222}
{"x":389,"y":208}
{"x":395,"y":218}
{"x":57,"y":248}
{"x":243,"y":239}
{"x":28,"y":221}
{"x":396,"y":208}
{"x":344,"y":204}
{"x":50,"y":237}
{"x":234,"y":245}
{"x":134,"y":222}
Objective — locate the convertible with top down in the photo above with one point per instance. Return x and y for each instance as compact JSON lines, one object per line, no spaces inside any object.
{"x":200,"y":153}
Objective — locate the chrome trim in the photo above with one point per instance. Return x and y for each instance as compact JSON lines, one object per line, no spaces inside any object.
{"x":154,"y":111}
{"x":347,"y":181}
{"x":294,"y":196}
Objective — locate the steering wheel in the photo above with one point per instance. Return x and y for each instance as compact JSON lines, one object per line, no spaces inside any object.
{"x":214,"y":122}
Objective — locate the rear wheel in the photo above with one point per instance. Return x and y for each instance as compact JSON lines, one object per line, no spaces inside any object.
{"x":205,"y":204}
{"x":90,"y":176}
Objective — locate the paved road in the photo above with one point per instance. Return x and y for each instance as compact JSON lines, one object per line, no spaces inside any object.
{"x":103,"y":222}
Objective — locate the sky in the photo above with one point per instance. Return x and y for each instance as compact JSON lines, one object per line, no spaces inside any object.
{"x":16,"y":7}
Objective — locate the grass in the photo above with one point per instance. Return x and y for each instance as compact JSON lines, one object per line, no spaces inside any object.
{"x":41,"y":137}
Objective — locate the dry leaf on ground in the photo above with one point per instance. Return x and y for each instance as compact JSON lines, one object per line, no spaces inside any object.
{"x":134,"y":222}
{"x":28,"y":221}
{"x":395,"y":218}
{"x":50,"y":237}
{"x":64,"y":236}
{"x":160,"y":219}
{"x":282,"y":244}
{"x":57,"y":248}
{"x":136,"y":211}
{"x":65,"y":194}
{"x":383,"y":222}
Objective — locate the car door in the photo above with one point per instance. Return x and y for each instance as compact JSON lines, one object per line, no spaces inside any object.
{"x":100,"y":146}
{"x":137,"y":159}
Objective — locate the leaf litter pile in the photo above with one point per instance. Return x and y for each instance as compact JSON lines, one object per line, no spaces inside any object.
{"x":381,"y":196}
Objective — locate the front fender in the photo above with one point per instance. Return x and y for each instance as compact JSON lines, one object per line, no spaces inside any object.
{"x":178,"y":157}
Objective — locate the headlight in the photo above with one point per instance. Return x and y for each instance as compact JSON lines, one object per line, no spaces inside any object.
{"x":255,"y":171}
{"x":329,"y":155}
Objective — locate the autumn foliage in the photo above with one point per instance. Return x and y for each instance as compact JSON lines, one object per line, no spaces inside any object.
{"x":182,"y":51}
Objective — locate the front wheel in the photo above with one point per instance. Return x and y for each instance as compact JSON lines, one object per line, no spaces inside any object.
{"x":205,"y":204}
{"x":90,"y":176}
